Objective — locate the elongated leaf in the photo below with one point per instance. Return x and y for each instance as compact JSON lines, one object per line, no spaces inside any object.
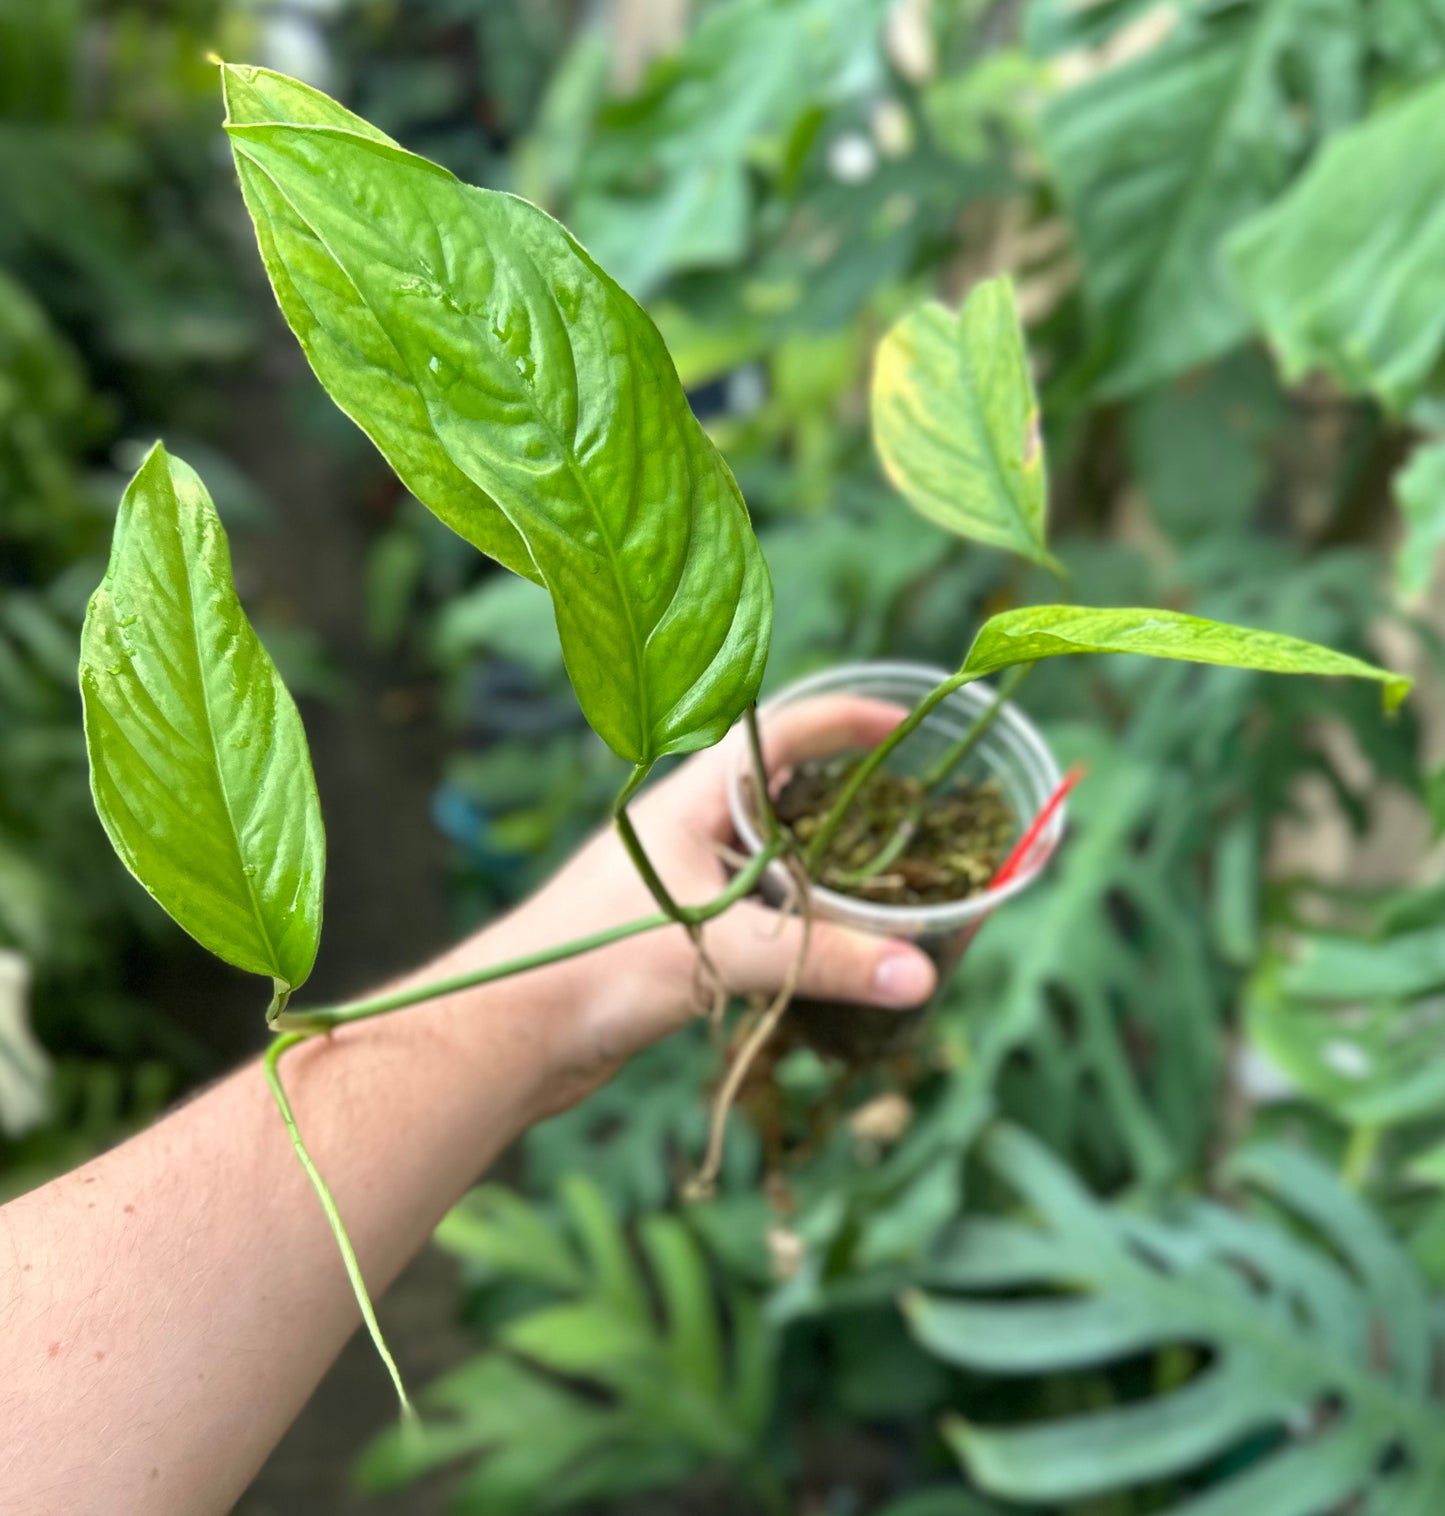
{"x":957,"y":425}
{"x":1159,"y":158}
{"x":1347,"y":272}
{"x":1044,"y":631}
{"x":198,"y":760}
{"x":348,"y":349}
{"x":551,"y":390}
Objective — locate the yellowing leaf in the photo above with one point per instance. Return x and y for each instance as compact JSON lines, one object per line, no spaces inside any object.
{"x":957,"y":425}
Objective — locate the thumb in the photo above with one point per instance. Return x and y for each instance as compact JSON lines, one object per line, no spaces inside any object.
{"x":756,"y":949}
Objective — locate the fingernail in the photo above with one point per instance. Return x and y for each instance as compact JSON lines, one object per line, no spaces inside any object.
{"x":902,"y":979}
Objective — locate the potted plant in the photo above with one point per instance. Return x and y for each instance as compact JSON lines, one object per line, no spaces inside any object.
{"x":529,"y":402}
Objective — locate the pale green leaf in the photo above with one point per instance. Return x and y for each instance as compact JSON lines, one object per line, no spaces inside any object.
{"x":550,"y":388}
{"x":1044,"y":631}
{"x":198,"y":760}
{"x":347,"y":346}
{"x":956,"y":422}
{"x":1420,"y":491}
{"x":1346,"y":273}
{"x":1158,"y":158}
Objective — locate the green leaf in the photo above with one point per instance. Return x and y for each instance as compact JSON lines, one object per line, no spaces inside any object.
{"x":956,"y":422}
{"x":198,"y":759}
{"x":347,"y":346}
{"x":1347,"y":272}
{"x":1044,"y":631}
{"x":550,"y":388}
{"x":1323,"y":1310}
{"x":1420,"y":490}
{"x":1159,"y":158}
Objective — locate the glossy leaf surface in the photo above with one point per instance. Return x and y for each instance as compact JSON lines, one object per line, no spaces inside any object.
{"x":1044,"y":631}
{"x":346,"y":345}
{"x":550,"y":388}
{"x":956,"y":422}
{"x":199,"y":764}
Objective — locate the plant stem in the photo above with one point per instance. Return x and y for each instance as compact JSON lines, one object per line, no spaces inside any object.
{"x":960,"y":750}
{"x":766,"y":814}
{"x":635,"y":850}
{"x":870,"y":762}
{"x":947,"y":762}
{"x":278,"y":1049}
{"x":324,"y":1019}
{"x":1359,"y":1155}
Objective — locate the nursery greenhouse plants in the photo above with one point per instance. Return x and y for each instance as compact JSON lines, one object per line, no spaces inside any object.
{"x":860,"y":579}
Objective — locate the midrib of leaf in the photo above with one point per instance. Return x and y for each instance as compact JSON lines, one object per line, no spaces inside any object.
{"x":1265,"y":26}
{"x":235,"y":835}
{"x":568,"y":454}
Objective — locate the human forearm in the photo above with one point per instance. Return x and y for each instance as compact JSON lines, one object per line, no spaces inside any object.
{"x":119,"y":1396}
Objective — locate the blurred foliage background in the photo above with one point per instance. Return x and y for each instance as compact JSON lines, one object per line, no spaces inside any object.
{"x":1156,"y":1219}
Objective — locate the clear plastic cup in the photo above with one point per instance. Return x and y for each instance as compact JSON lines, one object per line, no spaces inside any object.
{"x":1011,"y":751}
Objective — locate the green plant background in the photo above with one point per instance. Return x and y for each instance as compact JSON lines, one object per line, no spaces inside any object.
{"x":1165,"y":1225}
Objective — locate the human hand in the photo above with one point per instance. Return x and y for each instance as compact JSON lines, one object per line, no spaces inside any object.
{"x":607,"y":1005}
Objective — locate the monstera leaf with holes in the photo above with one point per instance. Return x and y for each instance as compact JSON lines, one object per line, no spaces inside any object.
{"x":597,"y":1391}
{"x":1356,"y":1020}
{"x":526,"y":399}
{"x":1295,"y":1346}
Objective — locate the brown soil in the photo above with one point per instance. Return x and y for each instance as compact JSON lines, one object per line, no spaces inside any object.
{"x":957,"y":836}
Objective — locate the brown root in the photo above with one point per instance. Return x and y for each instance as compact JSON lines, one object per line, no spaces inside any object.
{"x":704,"y":1183}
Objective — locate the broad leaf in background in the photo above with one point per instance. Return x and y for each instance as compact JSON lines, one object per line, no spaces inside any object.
{"x":1157,"y":159}
{"x":1306,"y":1356}
{"x":956,"y":422}
{"x":1346,"y":273}
{"x":198,"y":759}
{"x":1044,"y":631}
{"x":593,"y":1392}
{"x":664,"y":183}
{"x":347,"y":346}
{"x":1420,"y":491}
{"x":552,"y":390}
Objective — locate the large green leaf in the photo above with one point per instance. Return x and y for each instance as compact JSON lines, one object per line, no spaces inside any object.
{"x":1347,"y":272}
{"x":550,"y":388}
{"x":346,"y":345}
{"x":654,"y":1386}
{"x":1319,"y":1341}
{"x":1159,"y":158}
{"x":1044,"y":631}
{"x":198,"y":759}
{"x":956,"y":422}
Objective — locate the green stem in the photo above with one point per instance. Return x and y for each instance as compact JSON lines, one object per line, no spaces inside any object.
{"x":766,"y":814}
{"x":950,"y":760}
{"x":1359,"y":1155}
{"x":324,"y":1019}
{"x":278,"y":1049}
{"x":818,"y":846}
{"x":947,"y":762}
{"x":635,"y":850}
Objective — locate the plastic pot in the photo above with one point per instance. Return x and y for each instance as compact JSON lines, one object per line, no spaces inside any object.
{"x":1012,"y":750}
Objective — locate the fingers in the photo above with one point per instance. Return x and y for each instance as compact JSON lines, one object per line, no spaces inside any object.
{"x":755,"y":950}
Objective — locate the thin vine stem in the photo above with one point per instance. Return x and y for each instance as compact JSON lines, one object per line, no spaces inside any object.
{"x":818,"y":845}
{"x":274,"y":1054}
{"x":766,"y":813}
{"x":947,"y":762}
{"x":324,"y":1019}
{"x":638,"y":854}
